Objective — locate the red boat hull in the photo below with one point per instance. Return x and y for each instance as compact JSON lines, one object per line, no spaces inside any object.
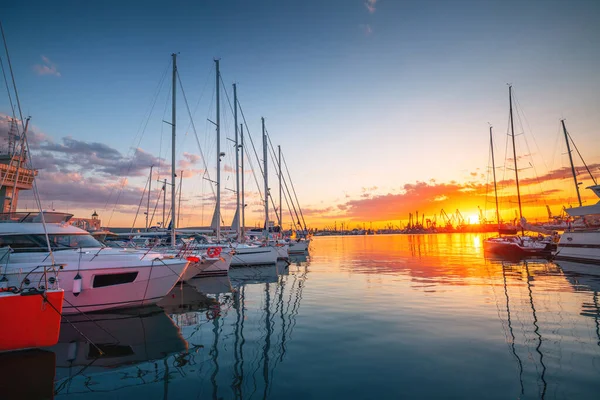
{"x":30,"y":320}
{"x":513,"y":250}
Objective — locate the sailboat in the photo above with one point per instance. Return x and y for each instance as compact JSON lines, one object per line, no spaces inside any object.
{"x":501,"y":228}
{"x":247,"y":254}
{"x":581,"y":244}
{"x":517,"y":246}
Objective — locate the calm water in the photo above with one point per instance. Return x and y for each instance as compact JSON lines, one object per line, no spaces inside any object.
{"x":367,"y":317}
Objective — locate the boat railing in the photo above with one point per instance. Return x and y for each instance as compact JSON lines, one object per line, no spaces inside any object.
{"x":49,"y":274}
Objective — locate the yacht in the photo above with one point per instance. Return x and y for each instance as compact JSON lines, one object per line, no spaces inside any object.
{"x":248,"y":254}
{"x":582,"y":244}
{"x":92,"y":276}
{"x":299,"y":246}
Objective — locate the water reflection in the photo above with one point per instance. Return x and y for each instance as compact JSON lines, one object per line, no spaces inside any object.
{"x":245,"y":334}
{"x":105,"y":352}
{"x":422,"y":316}
{"x":540,"y":327}
{"x":585,"y":279}
{"x":27,"y":374}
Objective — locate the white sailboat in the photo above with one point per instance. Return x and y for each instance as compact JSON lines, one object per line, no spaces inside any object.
{"x":517,"y":246}
{"x":581,"y":243}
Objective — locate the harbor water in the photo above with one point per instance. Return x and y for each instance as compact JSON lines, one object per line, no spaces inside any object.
{"x":362,"y":317}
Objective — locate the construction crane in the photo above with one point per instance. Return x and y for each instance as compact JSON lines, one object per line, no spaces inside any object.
{"x":482,"y":219}
{"x":460,"y":221}
{"x":446,"y":220}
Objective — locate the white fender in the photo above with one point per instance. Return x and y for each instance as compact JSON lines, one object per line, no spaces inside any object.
{"x":77,"y":281}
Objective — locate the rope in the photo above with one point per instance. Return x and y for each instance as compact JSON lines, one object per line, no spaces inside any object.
{"x":140,"y":205}
{"x":135,"y":149}
{"x":194,"y":129}
{"x":294,"y":190}
{"x":12,"y":75}
{"x":74,"y":327}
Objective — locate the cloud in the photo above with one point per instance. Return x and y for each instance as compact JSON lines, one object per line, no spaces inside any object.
{"x":187,"y":164}
{"x":562,"y":173}
{"x":75,"y":188}
{"x":46,"y":68}
{"x":94,"y":157}
{"x":370,"y":4}
{"x":420,"y":195}
{"x":366,"y":28}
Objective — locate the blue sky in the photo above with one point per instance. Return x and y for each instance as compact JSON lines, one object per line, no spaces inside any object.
{"x":359,"y":94}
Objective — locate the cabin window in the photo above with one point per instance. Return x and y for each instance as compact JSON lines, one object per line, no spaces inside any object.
{"x":24,"y":243}
{"x":37,"y":243}
{"x":114,"y":279}
{"x":73,"y":241}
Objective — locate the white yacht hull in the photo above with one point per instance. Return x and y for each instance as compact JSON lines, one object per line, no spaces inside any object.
{"x":196,"y":268}
{"x":283,"y":252}
{"x":299,"y":247}
{"x":581,"y":246}
{"x":245,"y":256}
{"x":220,"y":266}
{"x":109,"y":279}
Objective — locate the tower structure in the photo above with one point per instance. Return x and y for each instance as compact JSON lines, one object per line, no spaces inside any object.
{"x":14,"y":175}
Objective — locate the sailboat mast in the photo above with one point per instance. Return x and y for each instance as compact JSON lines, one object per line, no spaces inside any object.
{"x":280,"y":203}
{"x":242,"y":173}
{"x":218,"y":121}
{"x":512,"y":133}
{"x":179,"y":200}
{"x":266,"y":176}
{"x":164,"y":189}
{"x":237,"y":163}
{"x":173,"y":131}
{"x":148,"y":203}
{"x":494,"y":172}
{"x":571,"y":161}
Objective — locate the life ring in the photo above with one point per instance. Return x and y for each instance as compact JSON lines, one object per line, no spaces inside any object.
{"x":213,"y":252}
{"x":212,"y":314}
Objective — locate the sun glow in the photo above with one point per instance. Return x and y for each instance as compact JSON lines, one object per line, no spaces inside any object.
{"x":473,"y":219}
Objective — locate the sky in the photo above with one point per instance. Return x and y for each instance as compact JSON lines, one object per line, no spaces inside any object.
{"x":382,"y":108}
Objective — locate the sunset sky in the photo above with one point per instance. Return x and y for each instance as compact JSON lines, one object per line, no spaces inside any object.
{"x":381,"y":107}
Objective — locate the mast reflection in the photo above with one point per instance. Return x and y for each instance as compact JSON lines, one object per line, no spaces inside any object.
{"x":246,"y":330}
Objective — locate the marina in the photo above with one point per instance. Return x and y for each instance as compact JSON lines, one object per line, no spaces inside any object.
{"x":300,"y":200}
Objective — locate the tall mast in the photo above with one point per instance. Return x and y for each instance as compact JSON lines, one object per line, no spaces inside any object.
{"x":218,"y":123}
{"x":494,"y":172}
{"x":237,"y":162}
{"x":512,"y":133}
{"x":164,"y":188}
{"x":148,"y":203}
{"x":280,"y":203}
{"x":266,"y":176}
{"x":242,"y":173}
{"x":173,"y":131}
{"x":571,"y":161}
{"x":179,"y":201}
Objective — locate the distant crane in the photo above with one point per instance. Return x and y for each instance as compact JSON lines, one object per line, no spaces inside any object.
{"x":460,"y":221}
{"x":446,"y":220}
{"x":482,"y":219}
